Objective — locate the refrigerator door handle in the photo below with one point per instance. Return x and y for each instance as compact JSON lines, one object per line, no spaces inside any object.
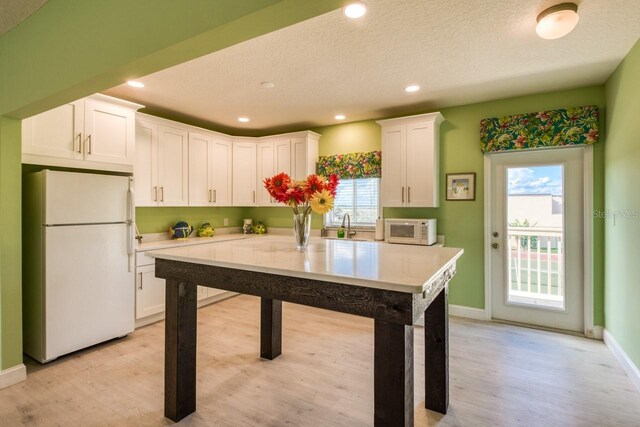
{"x":130,"y":215}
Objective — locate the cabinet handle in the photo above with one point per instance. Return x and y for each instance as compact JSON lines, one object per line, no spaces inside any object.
{"x":140,"y":285}
{"x":254,"y":196}
{"x":402,"y":194}
{"x":88,"y":144}
{"x":408,"y":194}
{"x":162,"y":194}
{"x":79,"y":143}
{"x":215,"y":198}
{"x":209,"y":195}
{"x":155,"y":194}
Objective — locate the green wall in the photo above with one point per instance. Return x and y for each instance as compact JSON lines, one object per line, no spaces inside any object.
{"x":10,"y":244}
{"x":158,"y":220}
{"x":622,"y":242}
{"x":72,"y":48}
{"x":462,"y":223}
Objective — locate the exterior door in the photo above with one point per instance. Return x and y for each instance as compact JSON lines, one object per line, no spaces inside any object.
{"x":536,"y":226}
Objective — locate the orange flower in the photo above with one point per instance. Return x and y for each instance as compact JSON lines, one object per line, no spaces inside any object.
{"x":277,"y":185}
{"x":312,"y":185}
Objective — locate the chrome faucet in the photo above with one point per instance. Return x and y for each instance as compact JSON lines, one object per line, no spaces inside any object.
{"x":349,"y":231}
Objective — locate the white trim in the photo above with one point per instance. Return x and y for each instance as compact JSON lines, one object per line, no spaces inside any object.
{"x":488,"y":285}
{"x":13,"y":375}
{"x":587,"y":293}
{"x":596,"y":333}
{"x":627,"y":364}
{"x":469,"y":312}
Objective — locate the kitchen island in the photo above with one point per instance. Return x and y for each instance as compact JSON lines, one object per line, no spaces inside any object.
{"x":393,"y":284}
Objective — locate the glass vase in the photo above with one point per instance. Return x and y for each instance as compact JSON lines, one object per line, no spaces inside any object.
{"x":301,"y":229}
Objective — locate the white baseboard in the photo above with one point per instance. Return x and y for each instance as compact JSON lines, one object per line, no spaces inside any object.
{"x":13,"y":375}
{"x":468,"y":312}
{"x":627,"y":364}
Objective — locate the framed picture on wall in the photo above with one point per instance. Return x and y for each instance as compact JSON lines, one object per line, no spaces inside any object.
{"x":461,"y":186}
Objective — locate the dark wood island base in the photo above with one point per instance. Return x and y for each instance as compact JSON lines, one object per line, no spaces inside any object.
{"x":394,"y":313}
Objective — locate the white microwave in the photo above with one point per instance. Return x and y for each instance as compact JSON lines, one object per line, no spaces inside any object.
{"x":410,"y":231}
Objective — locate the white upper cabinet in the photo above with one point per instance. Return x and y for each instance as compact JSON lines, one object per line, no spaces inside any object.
{"x":410,"y":161}
{"x":97,"y":132}
{"x":210,"y":159}
{"x":161,"y":164}
{"x":199,"y":169}
{"x":221,"y":167}
{"x":266,"y":169}
{"x":146,"y":165}
{"x":244,"y":172}
{"x":304,"y":155}
{"x":173,"y":164}
{"x":274,"y":156}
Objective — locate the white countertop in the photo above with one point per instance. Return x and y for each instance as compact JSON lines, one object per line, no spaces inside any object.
{"x":403,"y":268}
{"x":176,"y":243}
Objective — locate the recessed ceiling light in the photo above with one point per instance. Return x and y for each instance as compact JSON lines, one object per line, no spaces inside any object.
{"x":412,"y":88}
{"x":355,"y":9}
{"x":267,"y":85}
{"x":134,"y":83}
{"x":557,"y":21}
{"x":243,"y":119}
{"x":340,"y":117}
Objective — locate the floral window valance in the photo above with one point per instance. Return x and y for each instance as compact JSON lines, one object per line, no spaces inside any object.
{"x":554,"y":128}
{"x":352,"y":165}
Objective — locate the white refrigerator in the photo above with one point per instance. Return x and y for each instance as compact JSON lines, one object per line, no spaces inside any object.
{"x":78,"y":259}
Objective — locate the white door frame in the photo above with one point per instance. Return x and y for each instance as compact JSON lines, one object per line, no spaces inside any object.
{"x":590,"y":330}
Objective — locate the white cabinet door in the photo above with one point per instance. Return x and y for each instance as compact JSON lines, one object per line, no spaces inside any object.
{"x":393,"y":183}
{"x":299,"y":164}
{"x":146,"y":164}
{"x":173,"y":163}
{"x":266,"y":163}
{"x":282,"y":160}
{"x":55,"y":133}
{"x":200,"y":191}
{"x":244,"y":174}
{"x":422,"y":167}
{"x":221,"y":166}
{"x":150,"y":292}
{"x":110,"y":136}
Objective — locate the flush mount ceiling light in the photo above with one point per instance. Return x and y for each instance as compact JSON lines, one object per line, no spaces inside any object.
{"x":267,"y":85}
{"x":412,"y":88}
{"x":243,"y":119}
{"x":354,"y":9}
{"x":134,"y":83}
{"x":557,"y":21}
{"x":340,"y":117}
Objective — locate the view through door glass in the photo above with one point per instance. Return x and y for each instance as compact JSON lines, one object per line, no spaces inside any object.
{"x":535,"y":236}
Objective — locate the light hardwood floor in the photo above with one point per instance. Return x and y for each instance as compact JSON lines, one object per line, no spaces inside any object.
{"x":501,"y":375}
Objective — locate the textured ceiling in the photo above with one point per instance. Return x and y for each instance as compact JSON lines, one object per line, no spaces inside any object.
{"x":459,"y":51}
{"x":13,"y":12}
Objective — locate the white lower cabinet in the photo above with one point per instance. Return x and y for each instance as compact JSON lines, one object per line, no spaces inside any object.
{"x":150,"y":292}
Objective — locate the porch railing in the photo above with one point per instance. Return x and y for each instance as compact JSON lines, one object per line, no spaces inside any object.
{"x":536,"y":264}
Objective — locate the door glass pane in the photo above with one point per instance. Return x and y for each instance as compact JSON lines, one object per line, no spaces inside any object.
{"x":535,"y":236}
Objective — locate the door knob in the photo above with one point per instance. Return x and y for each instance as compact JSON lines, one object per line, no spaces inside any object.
{"x":495,"y":245}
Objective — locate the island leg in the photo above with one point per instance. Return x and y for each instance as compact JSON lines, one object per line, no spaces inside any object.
{"x":393,"y":374}
{"x":270,"y":328}
{"x":180,"y":350}
{"x":436,"y":360}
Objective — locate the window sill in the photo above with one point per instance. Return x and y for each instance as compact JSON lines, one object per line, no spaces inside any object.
{"x":353,"y":227}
